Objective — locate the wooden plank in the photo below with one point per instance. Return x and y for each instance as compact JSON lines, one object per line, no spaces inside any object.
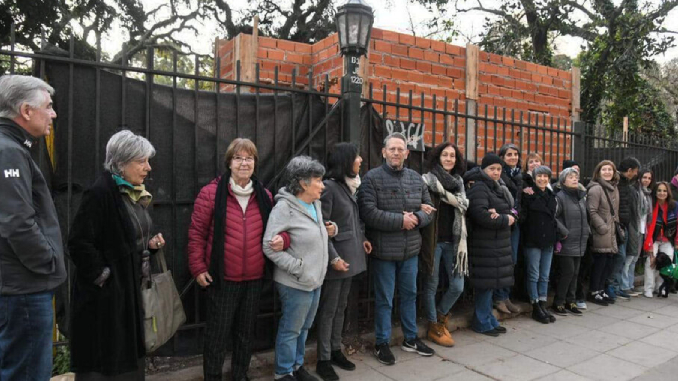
{"x":472,"y":53}
{"x":576,"y":101}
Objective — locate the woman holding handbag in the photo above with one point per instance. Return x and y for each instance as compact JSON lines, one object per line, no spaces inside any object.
{"x":111,"y":233}
{"x":661,"y":234}
{"x":603,"y":205}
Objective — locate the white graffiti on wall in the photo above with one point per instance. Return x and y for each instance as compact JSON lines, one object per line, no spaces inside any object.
{"x":414,"y":132}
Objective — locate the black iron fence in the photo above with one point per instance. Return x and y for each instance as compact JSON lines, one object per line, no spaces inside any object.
{"x":191,"y":128}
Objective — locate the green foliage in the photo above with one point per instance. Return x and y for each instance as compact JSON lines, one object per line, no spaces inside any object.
{"x":62,"y":360}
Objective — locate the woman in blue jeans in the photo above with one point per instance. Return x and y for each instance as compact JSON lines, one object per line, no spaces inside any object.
{"x":538,"y":225}
{"x":444,"y":239}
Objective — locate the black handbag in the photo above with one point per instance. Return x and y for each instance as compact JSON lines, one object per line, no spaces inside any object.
{"x":618,"y":230}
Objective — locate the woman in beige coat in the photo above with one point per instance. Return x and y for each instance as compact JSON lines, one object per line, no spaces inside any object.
{"x":603,"y":192}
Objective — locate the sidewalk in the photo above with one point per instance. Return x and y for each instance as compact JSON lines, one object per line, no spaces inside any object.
{"x":634,"y":339}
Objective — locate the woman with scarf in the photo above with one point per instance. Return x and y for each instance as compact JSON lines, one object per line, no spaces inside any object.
{"x":661,"y":234}
{"x":490,"y":219}
{"x":538,"y":221}
{"x":111,"y":237}
{"x":444,"y":240}
{"x":231,"y":264}
{"x":513,"y":179}
{"x":603,"y":205}
{"x":339,"y":205}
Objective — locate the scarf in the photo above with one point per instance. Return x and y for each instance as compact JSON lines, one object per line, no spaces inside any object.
{"x":511,"y":172}
{"x":242,"y":194}
{"x":649,"y":240}
{"x":674,"y":181}
{"x":218,"y":239}
{"x":353,"y":183}
{"x":502,"y":186}
{"x":137,"y":193}
{"x":449,"y":188}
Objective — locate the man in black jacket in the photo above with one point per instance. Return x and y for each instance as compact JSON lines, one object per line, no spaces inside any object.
{"x":31,"y":251}
{"x":629,"y":218}
{"x":390,"y":201}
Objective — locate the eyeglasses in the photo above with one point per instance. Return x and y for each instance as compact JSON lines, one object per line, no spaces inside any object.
{"x":239,"y":160}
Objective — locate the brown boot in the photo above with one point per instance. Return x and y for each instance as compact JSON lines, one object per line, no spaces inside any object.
{"x":438,"y":333}
{"x":501,"y":307}
{"x":512,"y":307}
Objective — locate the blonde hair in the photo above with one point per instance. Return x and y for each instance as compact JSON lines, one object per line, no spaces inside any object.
{"x":529,"y":157}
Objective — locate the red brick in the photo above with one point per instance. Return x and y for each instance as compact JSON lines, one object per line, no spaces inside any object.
{"x":424,"y":66}
{"x":525,"y":75}
{"x":390,"y":36}
{"x":503,"y":70}
{"x":460,"y":62}
{"x":553,"y":72}
{"x":265,"y":42}
{"x":408,"y":64}
{"x":536,"y":78}
{"x":484,"y":56}
{"x":286,"y":45}
{"x":547,"y":80}
{"x":376,"y":58}
{"x":521,"y":85}
{"x":514,"y":73}
{"x":558,"y":82}
{"x":416,"y":53}
{"x":528,"y":96}
{"x":400,"y":50}
{"x":485,"y":78}
{"x":482,"y":89}
{"x":505,"y":92}
{"x":438,"y":46}
{"x":522,"y":65}
{"x":446,"y":59}
{"x":302,"y":48}
{"x":308,"y":60}
{"x":508,"y":61}
{"x":460,"y":84}
{"x":496,"y":80}
{"x":415,"y":77}
{"x":377,"y":33}
{"x":406,"y":39}
{"x":542,"y":70}
{"x":399,"y":74}
{"x":431,"y":80}
{"x":566,"y":75}
{"x":382,"y":71}
{"x":510,"y":82}
{"x":453,"y":49}
{"x":391,"y":61}
{"x":455,"y":73}
{"x":438,"y":69}
{"x":382,"y":46}
{"x":293,"y":57}
{"x":261,"y":53}
{"x":494,"y":58}
{"x":517,"y":94}
{"x":530,"y":66}
{"x":423,"y":43}
{"x":564,"y":94}
{"x":431,"y":56}
{"x":487,"y":68}
{"x":494,"y":90}
{"x":276,"y":55}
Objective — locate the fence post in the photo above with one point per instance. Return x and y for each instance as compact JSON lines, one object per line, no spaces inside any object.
{"x":472,"y":53}
{"x":579,"y":142}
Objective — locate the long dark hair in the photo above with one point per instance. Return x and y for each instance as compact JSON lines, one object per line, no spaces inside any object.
{"x":460,"y":163}
{"x":669,"y":198}
{"x":642,"y":173}
{"x":340,"y":161}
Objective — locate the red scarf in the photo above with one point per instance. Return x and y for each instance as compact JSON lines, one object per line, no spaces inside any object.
{"x":647,"y":245}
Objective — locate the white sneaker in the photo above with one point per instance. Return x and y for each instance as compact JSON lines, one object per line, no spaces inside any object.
{"x":648,"y":294}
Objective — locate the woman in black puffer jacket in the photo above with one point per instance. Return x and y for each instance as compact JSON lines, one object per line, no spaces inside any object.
{"x":490,"y":260}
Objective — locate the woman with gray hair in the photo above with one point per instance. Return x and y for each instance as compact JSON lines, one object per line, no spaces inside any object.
{"x":112,"y":235}
{"x":573,"y":233}
{"x":301,"y":268}
{"x":538,"y":230}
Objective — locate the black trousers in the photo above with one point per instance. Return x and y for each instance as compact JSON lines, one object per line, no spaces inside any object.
{"x":568,"y":271}
{"x":232,"y":309}
{"x":602,"y":267}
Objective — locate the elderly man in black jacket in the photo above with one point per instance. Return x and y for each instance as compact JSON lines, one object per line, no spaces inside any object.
{"x":629,"y":217}
{"x":394,"y":204}
{"x":31,"y":250}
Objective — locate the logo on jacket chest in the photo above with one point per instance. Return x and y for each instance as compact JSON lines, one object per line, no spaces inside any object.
{"x":11,"y":173}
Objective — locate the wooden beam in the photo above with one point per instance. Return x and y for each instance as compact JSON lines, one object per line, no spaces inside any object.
{"x":576,"y":102}
{"x":472,"y":54}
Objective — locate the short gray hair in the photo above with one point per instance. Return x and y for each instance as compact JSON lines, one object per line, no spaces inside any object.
{"x":542,"y":170}
{"x":16,"y":90}
{"x":302,"y":168}
{"x":125,"y":146}
{"x":566,"y":173}
{"x":396,"y":135}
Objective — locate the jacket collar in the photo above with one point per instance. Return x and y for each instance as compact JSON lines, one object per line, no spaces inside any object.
{"x":13,"y":130}
{"x":391,"y":171}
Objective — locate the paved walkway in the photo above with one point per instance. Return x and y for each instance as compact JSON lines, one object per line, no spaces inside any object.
{"x":635,"y":339}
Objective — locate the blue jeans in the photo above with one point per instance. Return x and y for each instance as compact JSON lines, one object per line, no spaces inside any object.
{"x":629,"y":272}
{"x":538,"y":266}
{"x":384,"y":278}
{"x":445,"y":252}
{"x":618,"y":260}
{"x":483,"y":320}
{"x":298,"y":311}
{"x":504,"y":293}
{"x":26,"y":323}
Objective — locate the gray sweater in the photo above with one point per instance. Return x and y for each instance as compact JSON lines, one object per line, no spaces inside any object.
{"x":304,"y":264}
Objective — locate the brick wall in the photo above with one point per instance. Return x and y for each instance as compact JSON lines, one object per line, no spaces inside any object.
{"x":425,"y":69}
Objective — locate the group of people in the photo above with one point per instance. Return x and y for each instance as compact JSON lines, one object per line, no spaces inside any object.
{"x":459,"y":220}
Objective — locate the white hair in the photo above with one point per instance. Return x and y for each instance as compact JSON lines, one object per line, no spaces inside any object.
{"x":15,"y":90}
{"x":124,"y":147}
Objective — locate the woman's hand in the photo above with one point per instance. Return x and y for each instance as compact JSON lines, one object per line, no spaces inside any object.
{"x":276,"y":243}
{"x":331,"y":231}
{"x":340,"y":265}
{"x":204,"y":279}
{"x":367,"y":246}
{"x":493,"y":213}
{"x":528,"y":190}
{"x":428,"y":209}
{"x":156,"y":242}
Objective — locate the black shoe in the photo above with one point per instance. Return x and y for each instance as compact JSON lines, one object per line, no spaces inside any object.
{"x":384,"y":355}
{"x":338,"y":359}
{"x":598,"y":299}
{"x":542,"y":305}
{"x":493,"y":332}
{"x":559,"y":310}
{"x":416,"y":345}
{"x":607,"y":298}
{"x":302,"y":374}
{"x":572,"y":308}
{"x":325,"y":371}
{"x":288,"y":377}
{"x":538,"y":314}
{"x":500,"y":329}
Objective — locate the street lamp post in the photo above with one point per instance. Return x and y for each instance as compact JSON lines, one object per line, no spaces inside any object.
{"x":354,"y":25}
